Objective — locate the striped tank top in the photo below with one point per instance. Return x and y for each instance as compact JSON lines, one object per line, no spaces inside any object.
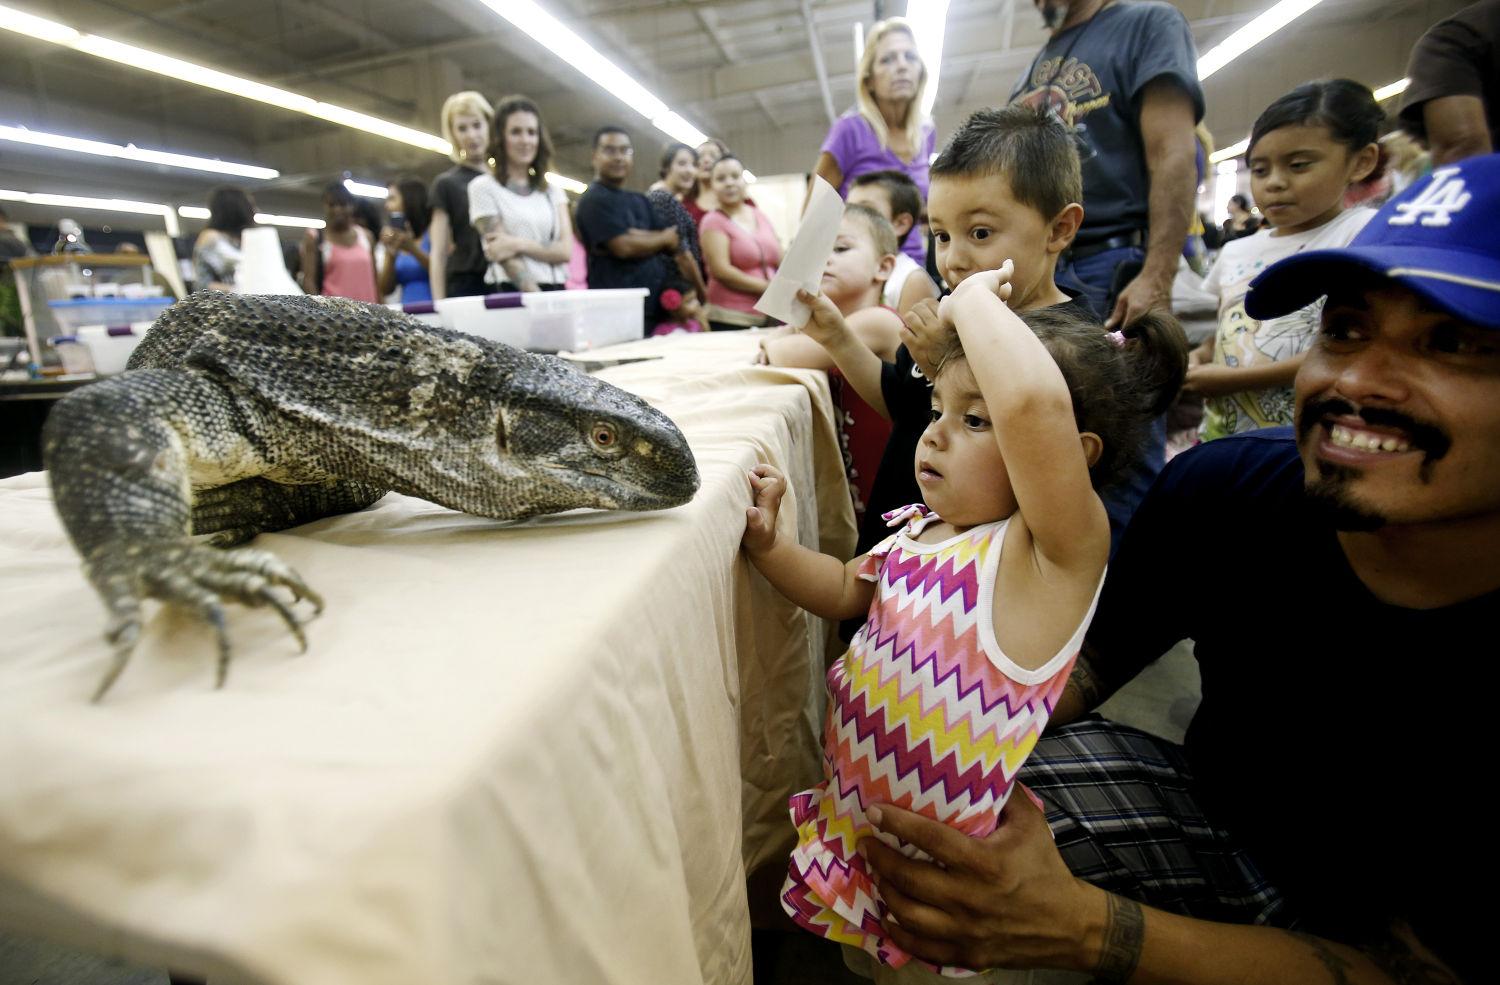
{"x":926,"y":713}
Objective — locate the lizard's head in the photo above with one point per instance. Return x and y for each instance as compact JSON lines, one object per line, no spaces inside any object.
{"x":607,"y":448}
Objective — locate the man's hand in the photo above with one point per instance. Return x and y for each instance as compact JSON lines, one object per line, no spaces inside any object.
{"x":1148,"y":292}
{"x":767,"y":486}
{"x":1005,"y":901}
{"x":672,"y":241}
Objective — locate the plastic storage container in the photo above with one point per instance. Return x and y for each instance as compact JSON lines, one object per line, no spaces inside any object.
{"x":112,"y":346}
{"x":422,"y":311}
{"x":544,"y":321}
{"x":577,"y":320}
{"x":75,"y":314}
{"x":497,"y":317}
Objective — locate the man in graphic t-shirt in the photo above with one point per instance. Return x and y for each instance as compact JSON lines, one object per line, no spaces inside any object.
{"x":1124,"y":74}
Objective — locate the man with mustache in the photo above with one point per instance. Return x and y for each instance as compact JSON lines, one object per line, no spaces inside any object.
{"x":1312,"y":828}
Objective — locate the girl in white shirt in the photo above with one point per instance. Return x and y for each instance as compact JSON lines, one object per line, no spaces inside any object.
{"x":1306,"y":150}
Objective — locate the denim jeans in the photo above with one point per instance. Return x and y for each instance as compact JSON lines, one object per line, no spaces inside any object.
{"x":1092,"y":278}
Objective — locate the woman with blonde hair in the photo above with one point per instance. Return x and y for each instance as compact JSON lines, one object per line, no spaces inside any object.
{"x":886,"y":129}
{"x":457,"y":265}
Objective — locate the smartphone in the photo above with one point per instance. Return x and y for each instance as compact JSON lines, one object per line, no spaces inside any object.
{"x":396,"y":221}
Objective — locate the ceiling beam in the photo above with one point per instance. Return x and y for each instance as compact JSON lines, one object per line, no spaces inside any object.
{"x":818,"y":66}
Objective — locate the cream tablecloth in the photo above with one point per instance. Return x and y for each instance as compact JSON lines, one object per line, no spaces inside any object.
{"x":514,"y":753}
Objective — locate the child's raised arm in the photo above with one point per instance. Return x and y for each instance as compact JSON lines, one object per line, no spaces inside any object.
{"x":817,"y":582}
{"x":1032,"y":413}
{"x":828,"y":336}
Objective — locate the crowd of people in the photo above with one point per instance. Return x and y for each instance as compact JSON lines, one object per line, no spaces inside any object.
{"x":1000,"y":300}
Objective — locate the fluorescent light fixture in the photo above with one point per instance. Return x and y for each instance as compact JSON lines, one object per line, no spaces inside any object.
{"x":151,"y":61}
{"x":1233,"y":150}
{"x":928,"y":22}
{"x":565,"y":183}
{"x":364,"y":189}
{"x":534,"y":20}
{"x":264,"y":218}
{"x":1236,"y":149}
{"x":79,"y":202}
{"x":1252,"y":34}
{"x":21,"y":135}
{"x":1394,"y":89}
{"x":46,"y":30}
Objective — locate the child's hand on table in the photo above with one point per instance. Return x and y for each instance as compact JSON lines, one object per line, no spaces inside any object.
{"x":767,"y":486}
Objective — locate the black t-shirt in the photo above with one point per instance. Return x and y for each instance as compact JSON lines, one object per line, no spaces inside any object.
{"x":1093,"y":76}
{"x":1341,"y":740}
{"x":604,"y":213}
{"x":908,"y":400}
{"x":1457,"y":57}
{"x":450,"y":192}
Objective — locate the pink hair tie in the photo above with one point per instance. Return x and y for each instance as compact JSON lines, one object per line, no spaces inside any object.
{"x":1117,"y":339}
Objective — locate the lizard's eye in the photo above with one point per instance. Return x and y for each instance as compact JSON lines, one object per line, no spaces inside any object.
{"x":605,"y":438}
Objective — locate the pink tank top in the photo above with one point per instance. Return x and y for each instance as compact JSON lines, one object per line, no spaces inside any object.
{"x":349,"y":271}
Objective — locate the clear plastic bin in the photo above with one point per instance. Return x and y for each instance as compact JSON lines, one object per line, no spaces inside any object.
{"x":112,"y":346}
{"x":72,"y":315}
{"x":578,"y":320}
{"x":497,"y":317}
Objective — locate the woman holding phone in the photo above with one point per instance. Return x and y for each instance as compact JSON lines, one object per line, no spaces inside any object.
{"x":407,"y":241}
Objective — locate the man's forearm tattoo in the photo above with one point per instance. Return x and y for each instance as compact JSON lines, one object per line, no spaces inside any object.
{"x":1124,"y":934}
{"x":1337,"y":965}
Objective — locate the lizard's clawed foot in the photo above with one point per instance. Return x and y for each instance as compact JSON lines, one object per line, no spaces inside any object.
{"x":194,"y":575}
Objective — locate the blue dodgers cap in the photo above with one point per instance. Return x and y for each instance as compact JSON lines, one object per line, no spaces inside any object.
{"x":1440,"y":238}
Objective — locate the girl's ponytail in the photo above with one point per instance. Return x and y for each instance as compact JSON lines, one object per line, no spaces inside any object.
{"x":1156,"y":350}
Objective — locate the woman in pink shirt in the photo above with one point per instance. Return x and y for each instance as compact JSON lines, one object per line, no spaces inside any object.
{"x":740,"y":249}
{"x":341,"y":261}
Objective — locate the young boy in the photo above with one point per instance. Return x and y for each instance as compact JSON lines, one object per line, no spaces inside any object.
{"x":853,"y":282}
{"x":894,"y":195}
{"x":1007,"y":186}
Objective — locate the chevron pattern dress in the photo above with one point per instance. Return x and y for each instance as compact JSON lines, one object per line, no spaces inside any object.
{"x":926,"y":713}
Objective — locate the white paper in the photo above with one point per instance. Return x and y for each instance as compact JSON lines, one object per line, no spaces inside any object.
{"x":806,"y":257}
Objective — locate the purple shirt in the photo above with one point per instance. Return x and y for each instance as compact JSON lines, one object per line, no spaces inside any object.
{"x":857,"y":151}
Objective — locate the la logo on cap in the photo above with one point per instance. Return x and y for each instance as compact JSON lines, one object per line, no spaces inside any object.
{"x":1437,"y":203}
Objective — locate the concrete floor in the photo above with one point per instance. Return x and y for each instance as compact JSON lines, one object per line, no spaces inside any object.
{"x":1161,"y":700}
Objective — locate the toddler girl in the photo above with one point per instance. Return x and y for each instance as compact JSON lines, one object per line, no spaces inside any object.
{"x":977,"y":606}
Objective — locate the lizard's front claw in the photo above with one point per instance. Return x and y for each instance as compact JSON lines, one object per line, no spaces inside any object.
{"x":194,"y":575}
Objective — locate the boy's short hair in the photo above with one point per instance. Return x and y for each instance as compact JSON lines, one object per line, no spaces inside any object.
{"x":900,"y":189}
{"x":1033,"y":150}
{"x":606,"y":130}
{"x":882,"y":233}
